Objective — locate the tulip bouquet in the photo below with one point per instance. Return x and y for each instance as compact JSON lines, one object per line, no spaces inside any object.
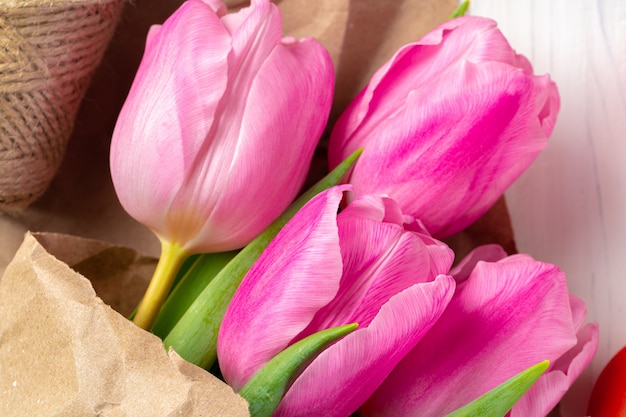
{"x":345,"y":299}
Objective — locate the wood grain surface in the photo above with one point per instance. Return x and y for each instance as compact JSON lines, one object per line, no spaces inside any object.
{"x":569,"y":208}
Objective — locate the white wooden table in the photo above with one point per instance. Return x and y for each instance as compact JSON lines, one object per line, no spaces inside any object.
{"x":570,"y":207}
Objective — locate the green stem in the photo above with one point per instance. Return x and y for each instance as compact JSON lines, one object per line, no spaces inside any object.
{"x":460,"y":10}
{"x":172,"y":257}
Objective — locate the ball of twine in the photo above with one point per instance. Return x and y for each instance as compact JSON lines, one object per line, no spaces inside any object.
{"x":48,"y":51}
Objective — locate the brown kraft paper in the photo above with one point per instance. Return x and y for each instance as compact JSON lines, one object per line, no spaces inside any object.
{"x":64,"y":352}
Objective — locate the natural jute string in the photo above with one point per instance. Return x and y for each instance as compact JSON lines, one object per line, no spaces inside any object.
{"x":48,"y":52}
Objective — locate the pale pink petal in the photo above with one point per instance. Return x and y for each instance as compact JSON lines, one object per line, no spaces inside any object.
{"x":547,"y":103}
{"x":219,"y":128}
{"x":370,"y":206}
{"x":154,"y":29}
{"x":579,"y":311}
{"x":505,"y":317}
{"x":296,"y":275}
{"x":383,"y":209}
{"x":218,"y":6}
{"x":393,"y":213}
{"x":251,"y":180}
{"x":347,"y":373}
{"x":161,"y":105}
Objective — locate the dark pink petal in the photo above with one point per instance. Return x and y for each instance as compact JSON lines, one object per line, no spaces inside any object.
{"x":296,"y":275}
{"x":379,"y":261}
{"x":487,"y":253}
{"x":348,"y":372}
{"x":505,"y":317}
{"x":447,"y":124}
{"x":414,"y":67}
{"x":475,"y":140}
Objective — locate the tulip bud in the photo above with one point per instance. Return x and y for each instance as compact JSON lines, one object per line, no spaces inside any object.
{"x":447,"y":124}
{"x":369,"y":265}
{"x":505,"y":316}
{"x":218,"y":131}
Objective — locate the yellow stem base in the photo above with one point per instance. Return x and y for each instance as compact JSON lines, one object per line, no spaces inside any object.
{"x":172,"y":257}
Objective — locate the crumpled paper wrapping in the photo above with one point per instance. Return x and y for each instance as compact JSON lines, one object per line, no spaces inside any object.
{"x":49,"y":313}
{"x":64,"y":352}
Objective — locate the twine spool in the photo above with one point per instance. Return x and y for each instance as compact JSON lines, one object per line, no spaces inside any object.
{"x":48,"y":51}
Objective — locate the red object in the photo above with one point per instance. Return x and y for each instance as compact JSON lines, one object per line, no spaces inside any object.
{"x":608,"y":398}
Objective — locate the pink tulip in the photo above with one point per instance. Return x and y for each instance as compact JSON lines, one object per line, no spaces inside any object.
{"x":505,"y":316}
{"x":447,"y":124}
{"x":219,"y":127}
{"x":364,"y":265}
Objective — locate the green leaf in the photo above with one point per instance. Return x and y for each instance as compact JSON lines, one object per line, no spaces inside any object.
{"x":194,"y":337}
{"x":268,"y":386}
{"x":460,"y":10}
{"x":500,"y":400}
{"x":192,"y":280}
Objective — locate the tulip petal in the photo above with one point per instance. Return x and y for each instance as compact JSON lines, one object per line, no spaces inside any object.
{"x":473,"y":150}
{"x":347,"y":373}
{"x":379,"y":261}
{"x":455,"y":114}
{"x":403,"y":73}
{"x":218,"y":6}
{"x":296,"y":275}
{"x":579,"y":311}
{"x":161,"y":105}
{"x":220,"y":125}
{"x":243,"y":200}
{"x":370,"y":206}
{"x":550,"y":388}
{"x":505,"y":317}
{"x":255,"y":32}
{"x":384,"y":209}
{"x":488,"y":253}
